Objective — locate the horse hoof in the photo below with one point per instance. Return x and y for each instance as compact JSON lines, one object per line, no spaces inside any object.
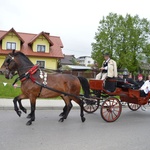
{"x":19,"y":113}
{"x":61,"y":120}
{"x":29,"y":123}
{"x":83,"y":119}
{"x":61,"y":114}
{"x":24,"y":110}
{"x":29,"y":116}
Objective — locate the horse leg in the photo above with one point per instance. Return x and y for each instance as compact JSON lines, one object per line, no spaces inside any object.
{"x":29,"y":115}
{"x":64,"y":110}
{"x":80,"y":103}
{"x":32,"y":114}
{"x":21,"y":106}
{"x":16,"y":106}
{"x":68,"y":107}
{"x":81,"y":111}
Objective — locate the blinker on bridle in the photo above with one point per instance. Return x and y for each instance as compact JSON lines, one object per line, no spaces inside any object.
{"x":11,"y":58}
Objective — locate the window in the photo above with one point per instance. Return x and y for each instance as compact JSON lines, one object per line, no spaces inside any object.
{"x":40,"y":48}
{"x":11,"y":45}
{"x":41,"y":64}
{"x":89,"y":62}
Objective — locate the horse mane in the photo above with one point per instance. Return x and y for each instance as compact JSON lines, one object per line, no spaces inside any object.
{"x":23,"y":57}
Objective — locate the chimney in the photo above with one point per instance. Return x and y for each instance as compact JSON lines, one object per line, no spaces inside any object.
{"x":47,"y":33}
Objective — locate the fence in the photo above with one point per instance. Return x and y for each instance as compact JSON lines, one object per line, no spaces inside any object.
{"x":93,"y":73}
{"x":86,"y":74}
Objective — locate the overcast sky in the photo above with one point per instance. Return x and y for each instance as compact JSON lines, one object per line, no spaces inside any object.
{"x":75,"y":21}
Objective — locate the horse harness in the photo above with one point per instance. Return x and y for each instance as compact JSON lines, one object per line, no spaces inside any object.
{"x":28,"y":75}
{"x":43,"y":75}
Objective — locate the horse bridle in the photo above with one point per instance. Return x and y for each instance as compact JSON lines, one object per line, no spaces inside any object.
{"x":10,"y":60}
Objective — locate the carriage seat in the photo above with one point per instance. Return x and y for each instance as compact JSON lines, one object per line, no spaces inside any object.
{"x":108,"y":85}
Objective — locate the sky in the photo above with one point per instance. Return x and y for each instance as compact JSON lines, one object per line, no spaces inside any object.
{"x":75,"y":21}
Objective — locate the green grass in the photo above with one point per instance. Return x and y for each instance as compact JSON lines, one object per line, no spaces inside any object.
{"x":8,"y":91}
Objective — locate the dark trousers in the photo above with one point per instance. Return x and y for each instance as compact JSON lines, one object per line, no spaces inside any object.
{"x":109,"y":85}
{"x":142,"y":93}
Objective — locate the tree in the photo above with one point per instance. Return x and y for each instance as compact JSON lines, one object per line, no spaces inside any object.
{"x":124,"y":38}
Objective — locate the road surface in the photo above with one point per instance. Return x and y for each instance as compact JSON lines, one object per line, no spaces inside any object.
{"x":130,"y":132}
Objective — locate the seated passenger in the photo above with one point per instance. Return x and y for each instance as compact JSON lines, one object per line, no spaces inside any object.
{"x":140,"y":80}
{"x":126,"y":81}
{"x":108,"y":69}
{"x":130,"y":80}
{"x":120,"y":80}
{"x":145,"y":88}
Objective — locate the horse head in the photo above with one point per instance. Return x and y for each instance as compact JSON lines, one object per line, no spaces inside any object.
{"x":15,"y":61}
{"x":9,"y":66}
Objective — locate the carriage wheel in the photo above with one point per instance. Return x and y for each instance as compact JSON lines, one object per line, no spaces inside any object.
{"x":111,"y":109}
{"x":90,"y":106}
{"x":134,"y":107}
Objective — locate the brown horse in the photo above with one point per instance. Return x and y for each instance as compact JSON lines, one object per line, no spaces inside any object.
{"x":34,"y":82}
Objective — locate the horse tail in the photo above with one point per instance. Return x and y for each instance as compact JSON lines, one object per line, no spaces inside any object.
{"x":85,"y":86}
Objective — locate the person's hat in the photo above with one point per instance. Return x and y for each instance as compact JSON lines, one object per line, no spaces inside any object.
{"x":106,"y":54}
{"x":140,"y":75}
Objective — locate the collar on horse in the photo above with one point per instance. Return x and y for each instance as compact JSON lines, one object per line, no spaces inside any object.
{"x":27,"y":75}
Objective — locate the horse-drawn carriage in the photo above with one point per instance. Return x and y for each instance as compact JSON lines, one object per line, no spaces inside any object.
{"x":110,"y":101}
{"x":36,"y":83}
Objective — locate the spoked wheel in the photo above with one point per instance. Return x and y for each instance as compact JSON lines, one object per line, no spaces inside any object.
{"x":134,"y":107}
{"x":111,"y":109}
{"x":90,"y":106}
{"x":149,"y":102}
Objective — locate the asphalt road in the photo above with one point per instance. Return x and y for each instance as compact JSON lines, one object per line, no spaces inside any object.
{"x":130,"y":132}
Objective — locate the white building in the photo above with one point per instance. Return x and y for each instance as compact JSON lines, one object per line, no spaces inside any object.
{"x":85,"y":60}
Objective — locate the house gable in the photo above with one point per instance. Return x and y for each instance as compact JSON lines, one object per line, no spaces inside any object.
{"x":11,"y":38}
{"x":41,"y":40}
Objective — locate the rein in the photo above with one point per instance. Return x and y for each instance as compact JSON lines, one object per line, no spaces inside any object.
{"x":54,"y":90}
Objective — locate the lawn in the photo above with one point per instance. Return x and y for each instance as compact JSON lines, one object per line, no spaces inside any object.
{"x":8,"y":91}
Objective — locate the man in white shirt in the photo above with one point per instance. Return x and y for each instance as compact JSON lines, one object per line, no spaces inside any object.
{"x":145,"y":87}
{"x":108,"y":69}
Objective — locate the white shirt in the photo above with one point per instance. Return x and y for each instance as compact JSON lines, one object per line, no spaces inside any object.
{"x":146,"y":87}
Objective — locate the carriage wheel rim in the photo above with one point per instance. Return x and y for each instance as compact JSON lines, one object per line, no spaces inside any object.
{"x":134,"y":107}
{"x":90,"y":108}
{"x":111,"y":109}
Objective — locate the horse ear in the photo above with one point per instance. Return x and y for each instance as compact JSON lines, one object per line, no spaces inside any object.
{"x":13,"y":52}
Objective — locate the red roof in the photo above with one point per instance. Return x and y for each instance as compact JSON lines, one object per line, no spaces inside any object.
{"x":28,"y":38}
